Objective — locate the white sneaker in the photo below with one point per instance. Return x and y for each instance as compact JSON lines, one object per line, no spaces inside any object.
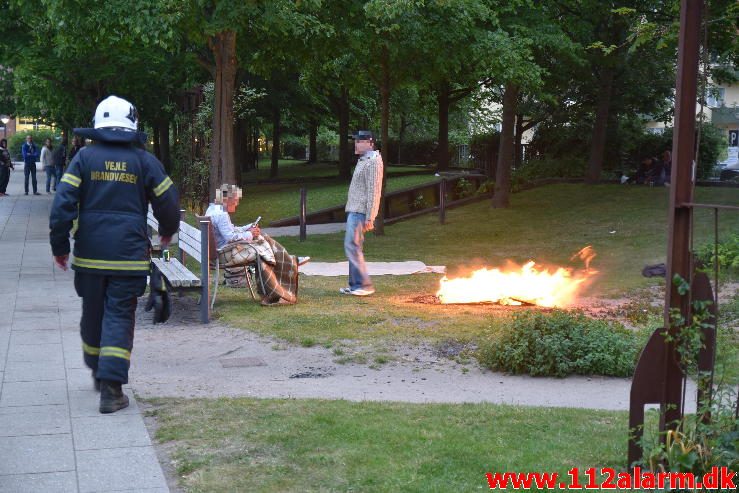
{"x":357,"y":292}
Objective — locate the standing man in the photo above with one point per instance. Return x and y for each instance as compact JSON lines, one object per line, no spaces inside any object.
{"x":5,"y":166}
{"x":361,"y":209}
{"x":30,"y":154}
{"x":59,"y":157}
{"x":107,"y":188}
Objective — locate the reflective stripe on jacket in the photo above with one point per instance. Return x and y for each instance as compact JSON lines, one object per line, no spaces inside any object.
{"x":107,"y":188}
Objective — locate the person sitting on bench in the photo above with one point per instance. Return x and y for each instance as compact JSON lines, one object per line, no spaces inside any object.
{"x":276,"y":268}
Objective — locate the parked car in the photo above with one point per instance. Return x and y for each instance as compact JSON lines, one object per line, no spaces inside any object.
{"x":729,"y":174}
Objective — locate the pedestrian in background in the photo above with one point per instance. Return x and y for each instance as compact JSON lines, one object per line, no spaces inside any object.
{"x":5,"y":166}
{"x":108,"y":188}
{"x":59,"y":157}
{"x":30,"y":155}
{"x":47,"y":161}
{"x":76,"y":146}
{"x":362,"y":207}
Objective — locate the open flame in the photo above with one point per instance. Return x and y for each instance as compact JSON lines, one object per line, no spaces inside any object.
{"x":517,"y":285}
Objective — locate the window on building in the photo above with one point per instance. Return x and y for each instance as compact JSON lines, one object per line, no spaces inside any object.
{"x":715,"y":97}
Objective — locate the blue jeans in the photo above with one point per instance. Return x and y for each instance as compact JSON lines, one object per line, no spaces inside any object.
{"x":353,"y":241}
{"x":59,"y":172}
{"x":50,"y":173}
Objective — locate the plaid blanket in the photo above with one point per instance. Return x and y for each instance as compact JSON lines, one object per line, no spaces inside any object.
{"x":278,"y":281}
{"x":276,"y":270}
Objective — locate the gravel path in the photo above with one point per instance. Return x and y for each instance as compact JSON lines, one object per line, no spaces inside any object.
{"x":186,"y":359}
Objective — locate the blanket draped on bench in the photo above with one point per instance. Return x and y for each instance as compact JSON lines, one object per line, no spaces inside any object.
{"x":277,"y":270}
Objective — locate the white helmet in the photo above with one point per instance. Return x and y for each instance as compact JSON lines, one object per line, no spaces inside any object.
{"x":116,"y":112}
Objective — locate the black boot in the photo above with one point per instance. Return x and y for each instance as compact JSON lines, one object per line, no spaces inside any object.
{"x":112,"y":397}
{"x":95,"y":381}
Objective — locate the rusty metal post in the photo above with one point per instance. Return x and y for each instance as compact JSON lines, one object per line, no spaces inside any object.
{"x":303,"y":208}
{"x":679,"y":256}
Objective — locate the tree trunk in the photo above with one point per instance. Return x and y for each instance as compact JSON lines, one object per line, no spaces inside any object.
{"x":384,"y":126}
{"x":273,"y":170}
{"x":501,"y":197}
{"x":345,"y":161}
{"x":164,"y":146}
{"x":442,"y":151}
{"x":255,"y":148}
{"x":518,"y":147}
{"x":155,"y":138}
{"x":401,"y":136}
{"x":600,"y":127}
{"x":313,"y":141}
{"x":223,"y":164}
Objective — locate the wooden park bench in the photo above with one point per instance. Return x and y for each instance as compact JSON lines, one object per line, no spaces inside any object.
{"x":200,"y":244}
{"x":195,"y":243}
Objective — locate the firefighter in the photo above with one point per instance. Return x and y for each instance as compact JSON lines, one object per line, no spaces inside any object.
{"x":107,"y":189}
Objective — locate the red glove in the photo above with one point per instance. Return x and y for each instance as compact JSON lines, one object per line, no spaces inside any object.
{"x":61,"y":261}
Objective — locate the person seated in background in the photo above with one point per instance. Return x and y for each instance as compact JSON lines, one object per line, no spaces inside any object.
{"x":656,"y":174}
{"x":642,"y":172}
{"x":667,"y":163}
{"x":277,"y":269}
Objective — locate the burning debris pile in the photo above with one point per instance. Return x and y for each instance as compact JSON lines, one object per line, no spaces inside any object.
{"x":518,"y":285}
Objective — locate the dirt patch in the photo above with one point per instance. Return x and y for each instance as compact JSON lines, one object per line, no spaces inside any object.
{"x":184,"y":358}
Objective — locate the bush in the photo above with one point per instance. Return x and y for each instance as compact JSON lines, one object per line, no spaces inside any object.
{"x":696,"y":446}
{"x":327,"y":142}
{"x":561,"y":343}
{"x":294,"y":146}
{"x":536,"y":169}
{"x":728,"y":255}
{"x":15,"y":141}
{"x":416,"y":151}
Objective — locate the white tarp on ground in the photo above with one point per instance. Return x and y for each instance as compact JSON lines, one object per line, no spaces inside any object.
{"x":374,"y":268}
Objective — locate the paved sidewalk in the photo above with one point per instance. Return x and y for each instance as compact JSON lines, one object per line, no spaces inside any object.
{"x":310,"y":229}
{"x":52,"y":438}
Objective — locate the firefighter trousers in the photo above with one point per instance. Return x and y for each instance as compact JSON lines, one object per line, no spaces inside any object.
{"x":108,"y":319}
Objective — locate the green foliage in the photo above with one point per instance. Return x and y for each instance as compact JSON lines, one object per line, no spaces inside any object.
{"x":294,"y":146}
{"x":190,"y":172}
{"x":728,"y":255}
{"x":464,"y":188}
{"x":561,"y":343}
{"x":536,"y":169}
{"x":696,"y":446}
{"x":15,"y":141}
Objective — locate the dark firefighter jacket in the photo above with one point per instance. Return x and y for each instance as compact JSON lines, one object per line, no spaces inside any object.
{"x":107,"y":188}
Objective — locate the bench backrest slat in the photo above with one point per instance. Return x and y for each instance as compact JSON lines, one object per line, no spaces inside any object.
{"x":189,"y":240}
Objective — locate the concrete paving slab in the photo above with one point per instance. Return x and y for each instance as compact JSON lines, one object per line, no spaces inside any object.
{"x":79,"y":379}
{"x":133,"y":468}
{"x":114,"y":431}
{"x":43,"y":379}
{"x":23,"y":371}
{"x":36,"y":353}
{"x":35,"y":323}
{"x":35,"y":420}
{"x":33,"y":393}
{"x":36,"y":337}
{"x":53,"y":482}
{"x":36,"y":454}
{"x":85,"y":403}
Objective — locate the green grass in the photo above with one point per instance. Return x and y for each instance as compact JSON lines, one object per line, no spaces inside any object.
{"x":627,"y":226}
{"x":292,"y":169}
{"x":278,"y":201}
{"x":316,"y":445}
{"x":547,"y":224}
